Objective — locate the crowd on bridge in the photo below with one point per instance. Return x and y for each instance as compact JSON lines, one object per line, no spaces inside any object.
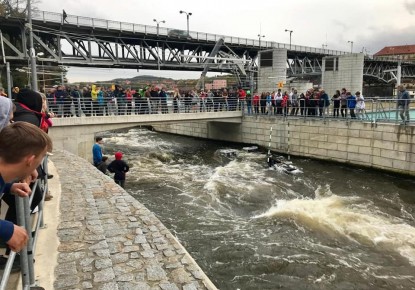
{"x":94,"y":100}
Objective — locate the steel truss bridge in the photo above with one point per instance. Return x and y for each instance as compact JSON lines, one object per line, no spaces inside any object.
{"x":89,"y":42}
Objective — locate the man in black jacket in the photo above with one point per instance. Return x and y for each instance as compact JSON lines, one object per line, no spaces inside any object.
{"x":119,"y":167}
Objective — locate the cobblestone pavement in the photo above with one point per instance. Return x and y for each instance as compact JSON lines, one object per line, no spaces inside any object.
{"x":110,"y":241}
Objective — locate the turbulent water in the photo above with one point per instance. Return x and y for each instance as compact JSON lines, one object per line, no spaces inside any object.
{"x":248,"y":227}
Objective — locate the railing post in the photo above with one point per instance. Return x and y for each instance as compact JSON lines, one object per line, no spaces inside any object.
{"x":23,"y":253}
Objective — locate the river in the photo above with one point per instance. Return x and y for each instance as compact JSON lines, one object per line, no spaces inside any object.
{"x":331,"y":227}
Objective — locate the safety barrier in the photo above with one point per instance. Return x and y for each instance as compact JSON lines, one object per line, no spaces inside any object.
{"x":374,"y":110}
{"x":26,"y":219}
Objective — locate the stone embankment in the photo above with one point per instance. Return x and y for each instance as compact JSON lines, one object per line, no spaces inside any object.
{"x":109,"y":240}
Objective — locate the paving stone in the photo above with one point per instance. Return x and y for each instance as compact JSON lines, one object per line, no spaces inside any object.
{"x":86,"y":262}
{"x":125,"y":277}
{"x":133,"y":286}
{"x":99,"y":245}
{"x":190,"y":287}
{"x":102,"y":253}
{"x":105,"y":275}
{"x":180,"y":276}
{"x":137,"y":264}
{"x":168,"y":286}
{"x":68,"y":257}
{"x":119,"y":258}
{"x":103,"y":263}
{"x":140,"y":239}
{"x":128,"y":249}
{"x":66,"y":269}
{"x":155,"y":273}
{"x":109,"y":286}
{"x":87,"y":285}
{"x":66,"y":281}
{"x":147,"y":254}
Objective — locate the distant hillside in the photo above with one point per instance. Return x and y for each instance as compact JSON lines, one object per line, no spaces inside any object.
{"x":169,"y":83}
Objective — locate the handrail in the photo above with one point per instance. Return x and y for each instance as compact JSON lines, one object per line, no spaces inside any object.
{"x":79,"y":21}
{"x":24,"y":219}
{"x":373,"y":110}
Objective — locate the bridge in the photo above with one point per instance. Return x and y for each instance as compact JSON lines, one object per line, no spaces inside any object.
{"x":76,"y":134}
{"x":91,"y":42}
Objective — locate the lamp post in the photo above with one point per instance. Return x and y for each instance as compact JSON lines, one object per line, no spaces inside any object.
{"x":259,"y":37}
{"x":39,"y":55}
{"x":291,"y":32}
{"x":158,"y":24}
{"x":32,"y":55}
{"x":351,"y":45}
{"x":158,"y":55}
{"x":188,"y":14}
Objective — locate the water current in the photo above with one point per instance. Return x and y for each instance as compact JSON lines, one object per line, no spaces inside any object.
{"x":249,"y":227}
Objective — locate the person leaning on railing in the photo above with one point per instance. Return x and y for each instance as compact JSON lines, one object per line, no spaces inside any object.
{"x":22,"y":148}
{"x":404,"y":100}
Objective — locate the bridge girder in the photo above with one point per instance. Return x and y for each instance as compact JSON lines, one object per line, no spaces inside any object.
{"x":88,"y":42}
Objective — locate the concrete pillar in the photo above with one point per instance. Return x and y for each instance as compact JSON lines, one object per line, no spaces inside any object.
{"x":272,"y":69}
{"x":345,"y":71}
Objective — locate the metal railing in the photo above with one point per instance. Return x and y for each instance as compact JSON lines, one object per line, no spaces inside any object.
{"x":82,"y":21}
{"x":25,"y":219}
{"x":375,"y":109}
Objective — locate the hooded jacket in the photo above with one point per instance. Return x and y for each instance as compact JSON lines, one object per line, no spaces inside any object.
{"x":6,"y":107}
{"x":33,"y":101}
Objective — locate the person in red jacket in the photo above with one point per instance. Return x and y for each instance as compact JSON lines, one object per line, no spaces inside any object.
{"x":284,"y":104}
{"x":255,"y":102}
{"x":242,"y":99}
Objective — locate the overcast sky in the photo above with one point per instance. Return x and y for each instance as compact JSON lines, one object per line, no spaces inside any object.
{"x":370,"y":24}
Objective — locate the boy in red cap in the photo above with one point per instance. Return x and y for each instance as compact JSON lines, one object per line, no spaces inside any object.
{"x":119,"y":167}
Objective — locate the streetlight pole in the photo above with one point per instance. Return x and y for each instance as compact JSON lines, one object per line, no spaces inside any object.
{"x":158,"y":54}
{"x":188,"y":14}
{"x":259,"y":37}
{"x":351,"y":45}
{"x":158,"y":24}
{"x":32,"y":54}
{"x":290,"y":31}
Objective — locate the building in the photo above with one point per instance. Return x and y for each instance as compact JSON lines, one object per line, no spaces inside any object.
{"x":400,"y":52}
{"x":219,"y":84}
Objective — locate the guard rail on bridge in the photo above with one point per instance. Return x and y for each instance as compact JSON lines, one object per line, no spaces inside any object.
{"x":82,"y":21}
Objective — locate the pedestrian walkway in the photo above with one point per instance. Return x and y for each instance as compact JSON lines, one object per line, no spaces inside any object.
{"x":107,"y":239}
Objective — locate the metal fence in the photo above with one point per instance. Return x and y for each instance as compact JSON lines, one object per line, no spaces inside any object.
{"x":374,"y":110}
{"x":26,"y":219}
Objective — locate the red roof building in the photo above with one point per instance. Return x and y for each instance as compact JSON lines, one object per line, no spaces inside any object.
{"x":402,"y":52}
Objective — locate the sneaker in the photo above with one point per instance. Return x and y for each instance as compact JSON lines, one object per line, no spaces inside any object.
{"x":16,"y":263}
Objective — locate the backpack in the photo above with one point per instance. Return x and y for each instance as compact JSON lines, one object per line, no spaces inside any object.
{"x":44,"y":126}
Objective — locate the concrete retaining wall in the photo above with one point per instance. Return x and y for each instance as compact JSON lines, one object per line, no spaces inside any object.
{"x":382,"y":146}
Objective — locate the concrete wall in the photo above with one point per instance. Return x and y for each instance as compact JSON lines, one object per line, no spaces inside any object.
{"x":347,"y":73}
{"x":382,"y":146}
{"x":268,"y":77}
{"x":77,"y":135}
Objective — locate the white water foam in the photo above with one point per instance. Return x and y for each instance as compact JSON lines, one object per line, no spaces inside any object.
{"x":335,"y":215}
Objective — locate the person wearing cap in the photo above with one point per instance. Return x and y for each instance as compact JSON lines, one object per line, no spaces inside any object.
{"x":119,"y":168}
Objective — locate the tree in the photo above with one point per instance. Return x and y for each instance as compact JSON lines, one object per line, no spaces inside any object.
{"x":15,"y":8}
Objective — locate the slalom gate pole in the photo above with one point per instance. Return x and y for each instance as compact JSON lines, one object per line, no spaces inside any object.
{"x":269,"y":145}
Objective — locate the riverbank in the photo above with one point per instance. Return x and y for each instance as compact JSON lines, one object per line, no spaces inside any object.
{"x":106,"y":239}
